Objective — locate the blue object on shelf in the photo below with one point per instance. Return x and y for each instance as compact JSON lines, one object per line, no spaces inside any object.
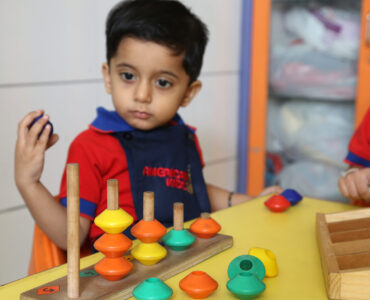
{"x":292,"y":196}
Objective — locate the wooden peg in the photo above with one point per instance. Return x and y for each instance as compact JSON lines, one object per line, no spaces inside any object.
{"x":205,"y":216}
{"x":178,"y":216}
{"x":148,"y":209}
{"x":73,"y":231}
{"x":112,"y":194}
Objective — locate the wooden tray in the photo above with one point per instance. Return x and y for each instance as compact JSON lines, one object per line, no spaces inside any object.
{"x":96,"y":287}
{"x":344,"y":244}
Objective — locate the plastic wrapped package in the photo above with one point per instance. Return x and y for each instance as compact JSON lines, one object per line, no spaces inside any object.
{"x":329,"y":30}
{"x":312,"y":179}
{"x":299,"y":70}
{"x":318,"y":131}
{"x":274,"y":143}
{"x":305,"y":62}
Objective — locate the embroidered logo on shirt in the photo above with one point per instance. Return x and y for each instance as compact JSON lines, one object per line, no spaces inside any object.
{"x":174,"y":178}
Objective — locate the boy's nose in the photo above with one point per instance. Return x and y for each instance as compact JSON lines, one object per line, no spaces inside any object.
{"x":143,"y":92}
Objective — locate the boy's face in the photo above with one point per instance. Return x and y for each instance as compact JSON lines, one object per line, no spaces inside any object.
{"x":148,"y":83}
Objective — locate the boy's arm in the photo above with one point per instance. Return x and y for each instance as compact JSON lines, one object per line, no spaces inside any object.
{"x":29,"y":163}
{"x":219,"y":198}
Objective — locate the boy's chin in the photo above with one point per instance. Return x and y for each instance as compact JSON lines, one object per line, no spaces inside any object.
{"x":146,"y":125}
{"x":142,"y":125}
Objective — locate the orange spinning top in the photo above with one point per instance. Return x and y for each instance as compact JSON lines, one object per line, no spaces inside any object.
{"x":148,"y":230}
{"x":198,"y":285}
{"x":205,"y":227}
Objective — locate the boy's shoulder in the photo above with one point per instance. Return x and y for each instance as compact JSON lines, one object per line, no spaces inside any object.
{"x":92,"y":141}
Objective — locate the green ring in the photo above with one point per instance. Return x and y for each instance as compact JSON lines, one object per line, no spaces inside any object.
{"x":248,"y":264}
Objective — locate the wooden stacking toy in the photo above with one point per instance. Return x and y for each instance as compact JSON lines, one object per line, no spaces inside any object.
{"x":198,"y":285}
{"x":113,"y":243}
{"x":148,"y":231}
{"x":205,"y":227}
{"x":87,"y":285}
{"x":73,"y":231}
{"x":178,"y":238}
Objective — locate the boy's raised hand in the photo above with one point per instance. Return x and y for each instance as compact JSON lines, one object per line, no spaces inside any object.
{"x":355,"y":184}
{"x":30,"y":148}
{"x":274,"y":189}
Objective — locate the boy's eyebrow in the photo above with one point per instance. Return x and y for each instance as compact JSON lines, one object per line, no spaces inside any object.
{"x":161,"y":71}
{"x":169,"y":73}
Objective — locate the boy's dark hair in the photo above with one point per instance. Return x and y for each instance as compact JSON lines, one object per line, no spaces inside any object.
{"x":166,"y":22}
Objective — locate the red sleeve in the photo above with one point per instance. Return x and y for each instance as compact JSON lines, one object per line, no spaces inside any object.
{"x":359,"y":146}
{"x":91,"y":181}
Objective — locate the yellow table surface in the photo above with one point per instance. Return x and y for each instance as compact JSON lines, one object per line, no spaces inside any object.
{"x":289,"y":235}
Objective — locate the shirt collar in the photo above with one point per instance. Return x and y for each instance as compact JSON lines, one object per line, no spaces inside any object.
{"x":108,"y":121}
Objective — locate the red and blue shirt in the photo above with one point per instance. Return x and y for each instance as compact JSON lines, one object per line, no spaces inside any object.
{"x":359,"y":146}
{"x":166,"y":160}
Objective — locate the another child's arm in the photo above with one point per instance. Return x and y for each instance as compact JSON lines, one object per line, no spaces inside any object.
{"x":29,"y":163}
{"x":355,"y":184}
{"x":219,"y":197}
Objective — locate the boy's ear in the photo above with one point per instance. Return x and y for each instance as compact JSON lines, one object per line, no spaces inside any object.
{"x":191,"y":92}
{"x":107,"y":78}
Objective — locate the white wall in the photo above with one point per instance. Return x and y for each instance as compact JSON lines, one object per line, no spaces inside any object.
{"x":50,"y":57}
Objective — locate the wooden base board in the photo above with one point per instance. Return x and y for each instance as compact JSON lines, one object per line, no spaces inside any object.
{"x":96,"y":287}
{"x":344,"y":244}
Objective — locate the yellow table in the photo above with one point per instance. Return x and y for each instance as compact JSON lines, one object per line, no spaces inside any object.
{"x":289,"y":235}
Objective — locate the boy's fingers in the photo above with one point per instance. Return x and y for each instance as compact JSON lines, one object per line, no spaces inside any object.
{"x":35,"y":130}
{"x":52,"y":140}
{"x":362,"y":186}
{"x":275,"y":189}
{"x":342,"y":187}
{"x":351,"y":186}
{"x":23,"y":125}
{"x":44,"y":137}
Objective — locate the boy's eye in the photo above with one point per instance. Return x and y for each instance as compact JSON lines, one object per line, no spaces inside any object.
{"x":127,"y":76}
{"x":163,"y":83}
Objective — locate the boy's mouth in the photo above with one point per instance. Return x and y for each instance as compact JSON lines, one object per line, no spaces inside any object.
{"x":141,"y":115}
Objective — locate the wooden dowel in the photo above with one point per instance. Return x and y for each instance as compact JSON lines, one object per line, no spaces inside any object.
{"x":112,"y":194}
{"x":178,"y":216}
{"x":148,"y":209}
{"x":205,"y":216}
{"x":73,"y":230}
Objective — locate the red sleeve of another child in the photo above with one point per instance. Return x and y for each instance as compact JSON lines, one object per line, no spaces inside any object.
{"x":359,"y":146}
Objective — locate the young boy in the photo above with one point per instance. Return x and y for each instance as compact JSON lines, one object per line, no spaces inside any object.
{"x":355,"y":182}
{"x":154,"y":57}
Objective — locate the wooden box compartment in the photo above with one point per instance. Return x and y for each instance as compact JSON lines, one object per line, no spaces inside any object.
{"x":344,"y":244}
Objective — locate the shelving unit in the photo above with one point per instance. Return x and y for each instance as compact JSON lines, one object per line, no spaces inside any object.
{"x":259,"y":88}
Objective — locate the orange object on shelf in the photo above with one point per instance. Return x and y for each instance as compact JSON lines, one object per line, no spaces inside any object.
{"x":148,"y":231}
{"x":113,"y":268}
{"x":198,"y":285}
{"x":205,"y":227}
{"x":113,"y":245}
